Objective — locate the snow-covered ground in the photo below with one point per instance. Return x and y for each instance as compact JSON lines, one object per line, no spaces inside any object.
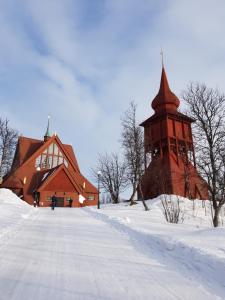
{"x":117,"y":252}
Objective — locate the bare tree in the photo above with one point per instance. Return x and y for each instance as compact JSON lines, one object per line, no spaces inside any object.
{"x":207,"y":107}
{"x":171,"y":209}
{"x":8,"y":140}
{"x":112,"y":176}
{"x":133,"y":144}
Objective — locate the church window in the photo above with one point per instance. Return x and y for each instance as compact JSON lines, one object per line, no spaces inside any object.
{"x":60,"y":160}
{"x":51,"y":157}
{"x":44,"y":162}
{"x":50,"y":149}
{"x":56,"y":149}
{"x":50,"y":161}
{"x":55,"y":161}
{"x":38,"y":161}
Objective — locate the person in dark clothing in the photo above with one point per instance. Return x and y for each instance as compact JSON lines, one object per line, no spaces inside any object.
{"x":53,"y":202}
{"x":70,"y":202}
{"x":38,"y":199}
{"x":35,"y":199}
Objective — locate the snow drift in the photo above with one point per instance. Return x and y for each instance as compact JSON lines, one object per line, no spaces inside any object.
{"x":193,"y":245}
{"x":13,"y":211}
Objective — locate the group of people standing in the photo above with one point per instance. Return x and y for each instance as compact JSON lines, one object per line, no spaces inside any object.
{"x":53,"y":200}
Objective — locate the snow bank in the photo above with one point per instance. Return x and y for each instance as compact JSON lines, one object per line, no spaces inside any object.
{"x":13,"y":211}
{"x":193,"y":243}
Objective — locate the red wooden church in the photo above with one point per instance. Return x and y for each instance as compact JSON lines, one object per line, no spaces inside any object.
{"x":45,"y":168}
{"x":169,"y":151}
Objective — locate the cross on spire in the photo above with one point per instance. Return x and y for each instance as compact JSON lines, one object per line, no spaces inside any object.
{"x":161,"y":53}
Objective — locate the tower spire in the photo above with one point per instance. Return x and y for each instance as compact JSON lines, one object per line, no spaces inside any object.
{"x":47,"y":134}
{"x":165,"y":100}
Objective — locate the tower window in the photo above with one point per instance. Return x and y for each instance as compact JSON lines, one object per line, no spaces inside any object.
{"x":174,"y":129}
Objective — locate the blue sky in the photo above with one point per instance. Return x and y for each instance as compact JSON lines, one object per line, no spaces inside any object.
{"x":82,"y":62}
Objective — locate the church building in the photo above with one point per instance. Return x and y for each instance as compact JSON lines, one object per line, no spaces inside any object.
{"x":170,"y":166}
{"x":43,"y":168}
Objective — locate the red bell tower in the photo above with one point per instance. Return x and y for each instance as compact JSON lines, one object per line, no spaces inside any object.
{"x":169,"y":151}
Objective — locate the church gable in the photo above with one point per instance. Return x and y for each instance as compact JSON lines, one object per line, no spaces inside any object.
{"x":51,"y":157}
{"x":52,"y":154}
{"x":59,"y":181}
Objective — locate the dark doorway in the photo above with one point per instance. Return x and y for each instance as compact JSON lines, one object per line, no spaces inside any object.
{"x":59,"y":201}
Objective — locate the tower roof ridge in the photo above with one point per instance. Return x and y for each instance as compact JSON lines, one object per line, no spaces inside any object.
{"x":165,"y":100}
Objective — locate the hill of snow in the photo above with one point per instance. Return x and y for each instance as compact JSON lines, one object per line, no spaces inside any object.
{"x":13,"y":211}
{"x":193,"y":252}
{"x":194,"y":245}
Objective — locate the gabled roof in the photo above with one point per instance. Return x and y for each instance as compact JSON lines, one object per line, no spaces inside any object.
{"x":25,"y":148}
{"x":53,"y":173}
{"x":174,"y":115}
{"x":12,"y":182}
{"x":89,"y":187}
{"x":66,"y":149}
{"x":69,"y":149}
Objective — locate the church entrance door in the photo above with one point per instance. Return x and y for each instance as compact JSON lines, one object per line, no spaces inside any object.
{"x":59,"y":201}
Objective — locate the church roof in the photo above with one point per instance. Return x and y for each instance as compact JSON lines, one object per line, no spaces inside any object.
{"x":26,"y":147}
{"x":174,"y":115}
{"x":165,"y":100}
{"x":60,"y":173}
{"x":51,"y":174}
{"x":166,"y":103}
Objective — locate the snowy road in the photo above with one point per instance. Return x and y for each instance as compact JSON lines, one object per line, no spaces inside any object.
{"x":70,"y":254}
